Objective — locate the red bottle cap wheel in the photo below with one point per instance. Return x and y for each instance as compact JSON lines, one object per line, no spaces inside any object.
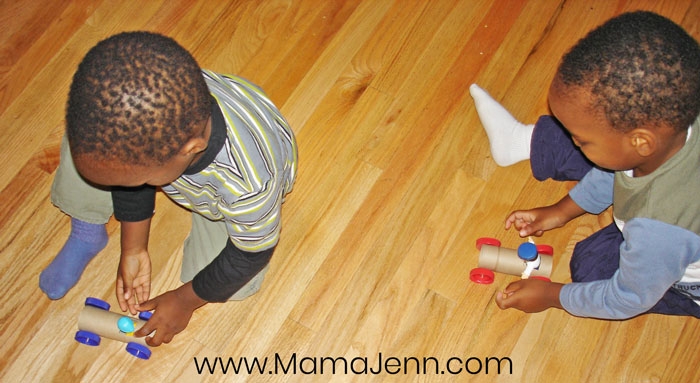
{"x":487,"y":241}
{"x":481,"y":276}
{"x":545,"y":249}
{"x":542,"y":278}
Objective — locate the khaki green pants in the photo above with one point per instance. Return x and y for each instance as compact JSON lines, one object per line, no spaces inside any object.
{"x":93,"y":204}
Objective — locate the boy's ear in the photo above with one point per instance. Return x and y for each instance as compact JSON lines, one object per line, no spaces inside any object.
{"x":644,"y":141}
{"x":194,"y":146}
{"x":199,"y":142}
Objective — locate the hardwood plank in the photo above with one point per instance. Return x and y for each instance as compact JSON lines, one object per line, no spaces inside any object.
{"x":305,"y":36}
{"x":33,"y":40}
{"x":314,"y":86}
{"x":388,"y":321}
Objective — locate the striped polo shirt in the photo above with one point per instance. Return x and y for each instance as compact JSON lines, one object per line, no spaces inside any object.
{"x":245,"y":183}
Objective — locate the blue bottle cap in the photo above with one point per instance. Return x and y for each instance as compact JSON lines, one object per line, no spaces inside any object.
{"x":125,"y":325}
{"x":99,"y":303}
{"x":138,"y":350}
{"x":87,"y":337}
{"x":527,"y":251}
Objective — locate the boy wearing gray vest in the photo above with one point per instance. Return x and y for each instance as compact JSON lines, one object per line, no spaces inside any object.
{"x":627,"y":99}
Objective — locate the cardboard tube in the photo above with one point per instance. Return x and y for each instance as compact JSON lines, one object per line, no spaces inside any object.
{"x":104,"y":324}
{"x":506,"y":261}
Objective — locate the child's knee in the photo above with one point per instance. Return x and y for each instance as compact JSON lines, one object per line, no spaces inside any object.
{"x":596,"y":257}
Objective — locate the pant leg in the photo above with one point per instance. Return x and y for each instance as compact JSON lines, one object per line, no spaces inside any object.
{"x":553,"y":153}
{"x":675,"y":303}
{"x":205,"y":242}
{"x":75,"y":196}
{"x":598,"y":257}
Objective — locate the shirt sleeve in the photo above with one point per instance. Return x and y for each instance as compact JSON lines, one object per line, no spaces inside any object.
{"x":133,"y":204}
{"x":653,"y":256}
{"x":594,"y":193}
{"x":228,"y":272}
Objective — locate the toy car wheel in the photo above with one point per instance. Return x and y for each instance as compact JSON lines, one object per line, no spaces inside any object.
{"x":86,"y":337}
{"x":145,"y":315}
{"x":481,"y":276}
{"x":99,"y":303}
{"x":487,"y":241}
{"x":138,"y":350}
{"x":542,"y":278}
{"x":545,"y":249}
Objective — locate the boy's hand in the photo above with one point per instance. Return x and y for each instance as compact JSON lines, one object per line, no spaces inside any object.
{"x":133,"y":280}
{"x":173,"y":311}
{"x":530,"y":295}
{"x":535,"y":221}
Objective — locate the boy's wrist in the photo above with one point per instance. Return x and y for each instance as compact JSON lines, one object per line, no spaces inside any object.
{"x":568,"y":209}
{"x":134,"y":253}
{"x":135,"y":236}
{"x":189,"y":297}
{"x":553,"y":294}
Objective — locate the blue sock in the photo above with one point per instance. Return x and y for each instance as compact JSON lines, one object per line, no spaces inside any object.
{"x":84,"y":242}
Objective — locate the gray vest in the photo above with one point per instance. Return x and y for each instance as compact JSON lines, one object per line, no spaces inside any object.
{"x":670,"y":194}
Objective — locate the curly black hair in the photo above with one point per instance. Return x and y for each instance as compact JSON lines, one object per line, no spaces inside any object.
{"x":136,"y":98}
{"x":640,"y":68}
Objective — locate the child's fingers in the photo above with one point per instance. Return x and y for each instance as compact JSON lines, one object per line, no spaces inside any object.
{"x":500,"y":297}
{"x":143,"y":293}
{"x":512,"y":287}
{"x":149,"y":305}
{"x":504,"y":300}
{"x":139,"y":294}
{"x":120,"y":294}
{"x":147,"y":328}
{"x":532,"y":228}
{"x":132,"y":305}
{"x":510,"y":220}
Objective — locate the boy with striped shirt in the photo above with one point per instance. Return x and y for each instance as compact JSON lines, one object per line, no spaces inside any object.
{"x":141,"y":114}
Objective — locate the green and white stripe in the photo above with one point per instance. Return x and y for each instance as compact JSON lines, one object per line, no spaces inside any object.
{"x":245,"y":185}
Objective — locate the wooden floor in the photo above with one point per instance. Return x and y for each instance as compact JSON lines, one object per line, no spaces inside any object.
{"x":395,"y":184}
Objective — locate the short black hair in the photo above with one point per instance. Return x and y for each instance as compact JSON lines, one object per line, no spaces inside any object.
{"x":640,"y":68}
{"x":136,"y":98}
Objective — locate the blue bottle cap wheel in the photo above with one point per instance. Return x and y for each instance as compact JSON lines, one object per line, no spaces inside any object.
{"x":99,"y":303}
{"x":89,"y":338}
{"x":138,"y":350}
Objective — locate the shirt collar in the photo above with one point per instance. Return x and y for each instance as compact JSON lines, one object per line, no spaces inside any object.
{"x":217,"y":137}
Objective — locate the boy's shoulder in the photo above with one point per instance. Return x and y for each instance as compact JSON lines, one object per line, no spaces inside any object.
{"x":669,"y":194}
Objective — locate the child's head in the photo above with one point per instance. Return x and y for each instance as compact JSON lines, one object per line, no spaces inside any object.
{"x":138,"y":110}
{"x":628,"y":91}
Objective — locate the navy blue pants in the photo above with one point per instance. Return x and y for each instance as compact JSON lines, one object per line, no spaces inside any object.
{"x":554,"y":155}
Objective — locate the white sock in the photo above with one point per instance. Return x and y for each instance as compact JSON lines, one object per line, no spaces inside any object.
{"x":509,"y":139}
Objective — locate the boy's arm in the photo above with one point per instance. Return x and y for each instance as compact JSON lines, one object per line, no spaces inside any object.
{"x":217,"y":282}
{"x":530,"y":295}
{"x":594,"y":193}
{"x":537,"y":221}
{"x":172,"y":314}
{"x":134,"y":272}
{"x":134,"y":207}
{"x":228,"y":272}
{"x":653,"y":257}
